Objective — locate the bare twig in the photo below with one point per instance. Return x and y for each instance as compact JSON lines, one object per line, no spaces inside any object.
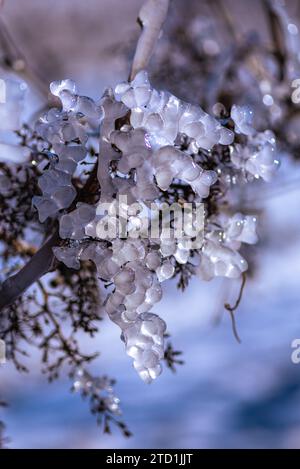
{"x":232,"y":309}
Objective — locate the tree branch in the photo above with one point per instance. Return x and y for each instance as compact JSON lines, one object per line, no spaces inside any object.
{"x":38,"y":265}
{"x":151,"y":17}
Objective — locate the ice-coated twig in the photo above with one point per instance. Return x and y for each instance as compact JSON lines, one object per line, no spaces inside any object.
{"x":151,"y":18}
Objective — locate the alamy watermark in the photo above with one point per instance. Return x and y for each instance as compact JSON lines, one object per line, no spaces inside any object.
{"x":295,"y":356}
{"x":296,"y":93}
{"x":154,"y":221}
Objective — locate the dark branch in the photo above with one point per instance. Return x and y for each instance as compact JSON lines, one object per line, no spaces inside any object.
{"x":38,"y":265}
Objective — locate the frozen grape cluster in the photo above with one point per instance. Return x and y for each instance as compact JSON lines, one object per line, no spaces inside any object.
{"x":142,"y":158}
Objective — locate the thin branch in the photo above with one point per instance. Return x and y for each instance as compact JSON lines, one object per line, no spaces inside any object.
{"x":151,"y":18}
{"x":232,"y":309}
{"x":38,"y":265}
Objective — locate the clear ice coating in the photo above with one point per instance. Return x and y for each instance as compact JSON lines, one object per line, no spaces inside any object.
{"x":58,"y":193}
{"x":243,"y":119}
{"x":144,"y":343}
{"x":67,"y":130}
{"x":139,"y":134}
{"x":164,"y":116}
{"x":170,"y":163}
{"x":218,"y":260}
{"x":220,"y":256}
{"x":241,"y":229}
{"x":259,"y":157}
{"x":69,"y":255}
{"x":72,"y":225}
{"x":136,"y":290}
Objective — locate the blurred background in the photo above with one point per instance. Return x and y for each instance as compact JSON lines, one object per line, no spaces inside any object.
{"x":227,"y":395}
